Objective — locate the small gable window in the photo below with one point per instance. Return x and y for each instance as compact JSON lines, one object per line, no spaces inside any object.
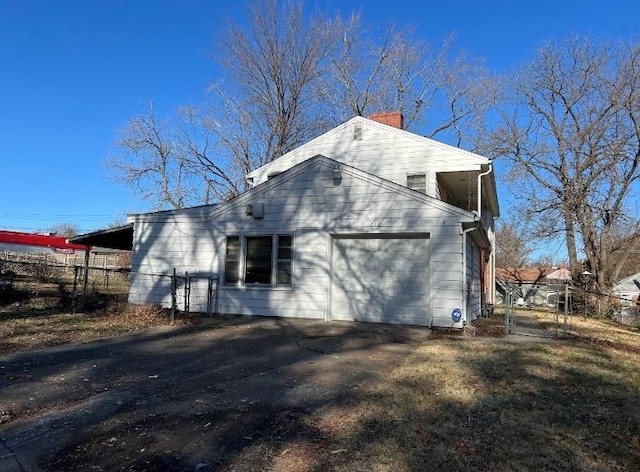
{"x":357,"y":132}
{"x":417,"y":182}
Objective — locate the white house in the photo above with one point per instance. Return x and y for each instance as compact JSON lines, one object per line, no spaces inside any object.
{"x":366,"y":222}
{"x":628,"y":288}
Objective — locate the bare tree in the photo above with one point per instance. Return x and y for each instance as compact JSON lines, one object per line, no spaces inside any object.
{"x":67,"y":230}
{"x":150,"y":162}
{"x":263,"y":110}
{"x":382,"y":69}
{"x":273,"y":68}
{"x":573,"y":138}
{"x":287,"y":78}
{"x":512,"y":250}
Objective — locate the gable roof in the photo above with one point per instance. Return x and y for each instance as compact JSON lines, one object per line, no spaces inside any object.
{"x":561,"y":273}
{"x":319,"y":159}
{"x":532,"y":275}
{"x":297,"y":155}
{"x":213,"y":210}
{"x":628,"y":284}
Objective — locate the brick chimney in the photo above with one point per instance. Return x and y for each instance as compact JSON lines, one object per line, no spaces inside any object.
{"x":393,"y":118}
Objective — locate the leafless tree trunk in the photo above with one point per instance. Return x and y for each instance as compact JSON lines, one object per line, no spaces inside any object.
{"x":574,"y":142}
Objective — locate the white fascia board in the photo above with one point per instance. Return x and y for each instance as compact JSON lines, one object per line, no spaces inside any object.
{"x":172,"y":215}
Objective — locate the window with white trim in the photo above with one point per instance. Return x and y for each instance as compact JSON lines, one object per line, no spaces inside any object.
{"x":284,"y":259}
{"x":417,"y":182}
{"x":232,"y":261}
{"x":259,"y":260}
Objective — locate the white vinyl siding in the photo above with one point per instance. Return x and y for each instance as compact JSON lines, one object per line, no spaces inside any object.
{"x":310,"y":205}
{"x":383,"y":151}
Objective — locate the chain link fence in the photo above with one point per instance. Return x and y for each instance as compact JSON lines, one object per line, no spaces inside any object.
{"x":547,"y":308}
{"x":187,"y":293}
{"x":65,"y":286}
{"x":614,"y":307}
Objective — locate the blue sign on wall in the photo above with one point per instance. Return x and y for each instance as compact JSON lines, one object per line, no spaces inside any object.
{"x":456,"y":315}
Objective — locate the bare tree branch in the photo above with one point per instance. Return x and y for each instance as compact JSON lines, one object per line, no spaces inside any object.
{"x":575,"y":136}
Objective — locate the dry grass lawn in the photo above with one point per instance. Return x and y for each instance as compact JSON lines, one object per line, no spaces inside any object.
{"x":457,"y":403}
{"x":38,"y":323}
{"x":500,"y":404}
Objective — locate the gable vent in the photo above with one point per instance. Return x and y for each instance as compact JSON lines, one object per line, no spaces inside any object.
{"x":357,"y":132}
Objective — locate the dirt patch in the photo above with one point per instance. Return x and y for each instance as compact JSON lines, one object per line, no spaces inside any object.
{"x":39,"y":323}
{"x":490,"y":327}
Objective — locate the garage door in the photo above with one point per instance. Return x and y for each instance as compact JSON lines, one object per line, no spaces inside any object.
{"x":381,"y":279}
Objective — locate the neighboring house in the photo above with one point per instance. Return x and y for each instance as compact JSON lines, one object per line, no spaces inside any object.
{"x":628,"y":288}
{"x":367,"y":222}
{"x":538,"y":286}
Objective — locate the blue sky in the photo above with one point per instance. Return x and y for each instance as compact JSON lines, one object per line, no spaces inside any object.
{"x":73,"y":72}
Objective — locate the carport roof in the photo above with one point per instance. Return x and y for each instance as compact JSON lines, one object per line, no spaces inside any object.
{"x":120,"y":237}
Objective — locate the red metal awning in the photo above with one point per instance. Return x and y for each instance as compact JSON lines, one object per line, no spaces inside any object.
{"x":56,"y":243}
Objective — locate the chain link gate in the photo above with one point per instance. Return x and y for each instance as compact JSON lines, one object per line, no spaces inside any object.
{"x":197,"y":293}
{"x":537,"y":311}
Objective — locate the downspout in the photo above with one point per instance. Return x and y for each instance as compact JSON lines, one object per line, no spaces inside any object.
{"x":480,"y":175}
{"x":463,"y":300}
{"x":492,"y":274}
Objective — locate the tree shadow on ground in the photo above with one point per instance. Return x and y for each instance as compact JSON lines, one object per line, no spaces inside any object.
{"x":519,"y":406}
{"x":209,"y":394}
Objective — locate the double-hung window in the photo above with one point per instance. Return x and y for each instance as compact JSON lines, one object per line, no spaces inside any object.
{"x":259,"y":260}
{"x":232,"y":261}
{"x":284,"y":258}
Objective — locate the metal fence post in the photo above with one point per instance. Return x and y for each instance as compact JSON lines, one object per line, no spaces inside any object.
{"x":75,"y":279}
{"x":216,"y":295}
{"x":209,"y":296}
{"x":174,"y":295}
{"x":509,"y":310}
{"x":85,"y":282}
{"x":186,"y":292}
{"x":566,"y":307}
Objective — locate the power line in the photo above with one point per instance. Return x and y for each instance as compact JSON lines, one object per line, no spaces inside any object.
{"x":54,"y":216}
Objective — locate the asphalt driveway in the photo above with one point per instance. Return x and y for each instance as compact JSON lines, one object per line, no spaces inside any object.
{"x":187,"y":398}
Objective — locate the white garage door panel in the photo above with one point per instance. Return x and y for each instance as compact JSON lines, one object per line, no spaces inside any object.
{"x":380,"y":280}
